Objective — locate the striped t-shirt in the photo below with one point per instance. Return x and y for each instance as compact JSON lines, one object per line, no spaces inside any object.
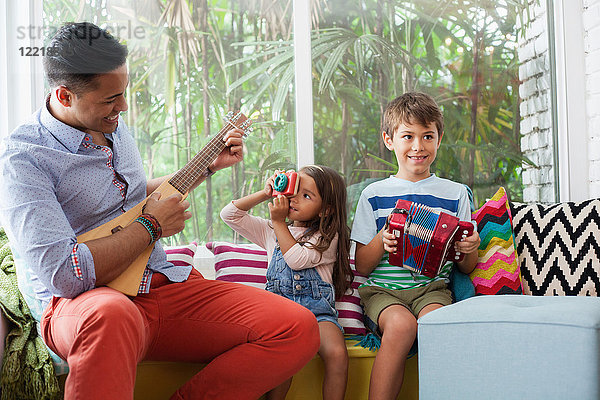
{"x":378,"y":200}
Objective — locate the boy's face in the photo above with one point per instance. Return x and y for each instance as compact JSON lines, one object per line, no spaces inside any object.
{"x":415,"y":147}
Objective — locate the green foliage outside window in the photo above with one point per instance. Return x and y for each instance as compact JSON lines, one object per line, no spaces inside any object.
{"x":193,"y":60}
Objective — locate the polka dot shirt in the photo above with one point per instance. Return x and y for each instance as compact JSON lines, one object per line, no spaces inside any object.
{"x":57,"y":184}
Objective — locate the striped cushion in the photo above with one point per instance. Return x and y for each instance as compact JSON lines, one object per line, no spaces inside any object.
{"x":247,"y":264}
{"x":181,"y":255}
{"x":241,"y":263}
{"x":350,"y":312}
{"x":497,"y":270}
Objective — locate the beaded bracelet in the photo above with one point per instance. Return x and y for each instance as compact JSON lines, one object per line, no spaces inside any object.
{"x":152,"y":226}
{"x":155,"y":224}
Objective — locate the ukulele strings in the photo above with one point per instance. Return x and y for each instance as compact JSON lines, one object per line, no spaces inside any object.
{"x":190,"y":173}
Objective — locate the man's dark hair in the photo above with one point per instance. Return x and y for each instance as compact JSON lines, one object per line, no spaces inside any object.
{"x":78,"y":53}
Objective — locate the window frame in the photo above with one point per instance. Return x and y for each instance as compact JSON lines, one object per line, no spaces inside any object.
{"x":570,"y":118}
{"x":303,"y":82}
{"x":24,"y":91}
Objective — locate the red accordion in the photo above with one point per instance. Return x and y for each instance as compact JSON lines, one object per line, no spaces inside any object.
{"x":425,"y":237}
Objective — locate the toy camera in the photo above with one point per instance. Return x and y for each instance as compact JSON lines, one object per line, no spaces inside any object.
{"x":286,"y":183}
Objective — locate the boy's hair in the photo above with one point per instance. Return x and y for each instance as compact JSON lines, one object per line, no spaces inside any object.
{"x":412,"y":107}
{"x":79,"y":52}
{"x":333,"y":220}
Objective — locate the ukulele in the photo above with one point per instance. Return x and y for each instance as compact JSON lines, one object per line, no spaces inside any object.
{"x":129,"y":280}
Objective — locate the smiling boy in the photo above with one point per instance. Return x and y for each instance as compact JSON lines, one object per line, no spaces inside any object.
{"x":393,"y":297}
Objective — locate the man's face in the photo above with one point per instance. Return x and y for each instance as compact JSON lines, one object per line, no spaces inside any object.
{"x":415,"y":147}
{"x":98,"y":109}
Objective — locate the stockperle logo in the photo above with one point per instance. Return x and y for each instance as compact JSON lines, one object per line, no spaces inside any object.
{"x":122,"y":31}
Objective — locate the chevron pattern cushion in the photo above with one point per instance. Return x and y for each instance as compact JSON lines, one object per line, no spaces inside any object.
{"x":558,"y":247}
{"x":497,"y":271}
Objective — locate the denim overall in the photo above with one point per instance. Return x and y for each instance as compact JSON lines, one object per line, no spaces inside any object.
{"x":305,"y":287}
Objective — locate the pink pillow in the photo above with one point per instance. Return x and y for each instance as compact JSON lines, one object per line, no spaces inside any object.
{"x":182,"y":255}
{"x":350,"y":312}
{"x":241,"y":263}
{"x":247,"y":264}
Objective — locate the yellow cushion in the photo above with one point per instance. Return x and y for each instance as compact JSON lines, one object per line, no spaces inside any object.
{"x":158,"y":380}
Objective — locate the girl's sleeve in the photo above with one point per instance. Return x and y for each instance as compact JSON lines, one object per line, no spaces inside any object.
{"x":252,"y":228}
{"x":301,"y":257}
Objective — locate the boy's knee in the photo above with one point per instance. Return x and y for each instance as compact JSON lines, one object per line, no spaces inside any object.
{"x":400,"y":324}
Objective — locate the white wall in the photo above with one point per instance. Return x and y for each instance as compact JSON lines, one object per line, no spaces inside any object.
{"x":536,"y":108}
{"x":591,"y":26}
{"x":577,"y":107}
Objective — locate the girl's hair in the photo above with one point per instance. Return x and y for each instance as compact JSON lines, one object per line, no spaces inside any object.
{"x":332,"y":221}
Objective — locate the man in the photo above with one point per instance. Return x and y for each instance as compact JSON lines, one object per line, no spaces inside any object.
{"x":73,"y":167}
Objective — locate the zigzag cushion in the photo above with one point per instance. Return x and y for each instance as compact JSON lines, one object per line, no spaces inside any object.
{"x":497,"y":271}
{"x":558,"y":247}
{"x":247,"y":264}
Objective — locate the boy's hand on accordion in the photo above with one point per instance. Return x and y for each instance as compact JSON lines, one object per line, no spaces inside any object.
{"x":469,"y":244}
{"x":389,"y":241}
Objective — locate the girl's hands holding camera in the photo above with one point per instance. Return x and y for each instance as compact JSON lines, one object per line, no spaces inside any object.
{"x":279,"y":209}
{"x":268,"y":190}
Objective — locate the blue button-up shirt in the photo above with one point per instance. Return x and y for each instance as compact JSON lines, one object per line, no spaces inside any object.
{"x":58,"y":184}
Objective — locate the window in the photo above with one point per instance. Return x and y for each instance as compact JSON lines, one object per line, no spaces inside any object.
{"x":189,"y":64}
{"x":468,"y":55}
{"x":464,"y":54}
{"x":192,"y":61}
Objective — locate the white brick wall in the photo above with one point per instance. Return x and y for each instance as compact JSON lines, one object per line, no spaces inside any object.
{"x":536,"y":122}
{"x":591,"y":25}
{"x":536,"y":102}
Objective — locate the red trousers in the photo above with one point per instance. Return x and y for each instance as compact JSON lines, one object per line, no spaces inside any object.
{"x":251,"y":340}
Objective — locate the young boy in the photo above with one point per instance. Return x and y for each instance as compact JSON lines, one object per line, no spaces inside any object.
{"x":393,"y":297}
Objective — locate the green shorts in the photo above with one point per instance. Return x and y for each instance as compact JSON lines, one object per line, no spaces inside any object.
{"x":375,"y":299}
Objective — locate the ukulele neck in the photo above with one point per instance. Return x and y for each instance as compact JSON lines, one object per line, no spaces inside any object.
{"x":184,"y":179}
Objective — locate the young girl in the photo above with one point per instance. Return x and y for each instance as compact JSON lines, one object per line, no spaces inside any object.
{"x":309,"y":258}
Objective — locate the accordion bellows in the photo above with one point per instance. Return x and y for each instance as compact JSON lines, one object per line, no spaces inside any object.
{"x":425,"y":237}
{"x":497,"y":270}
